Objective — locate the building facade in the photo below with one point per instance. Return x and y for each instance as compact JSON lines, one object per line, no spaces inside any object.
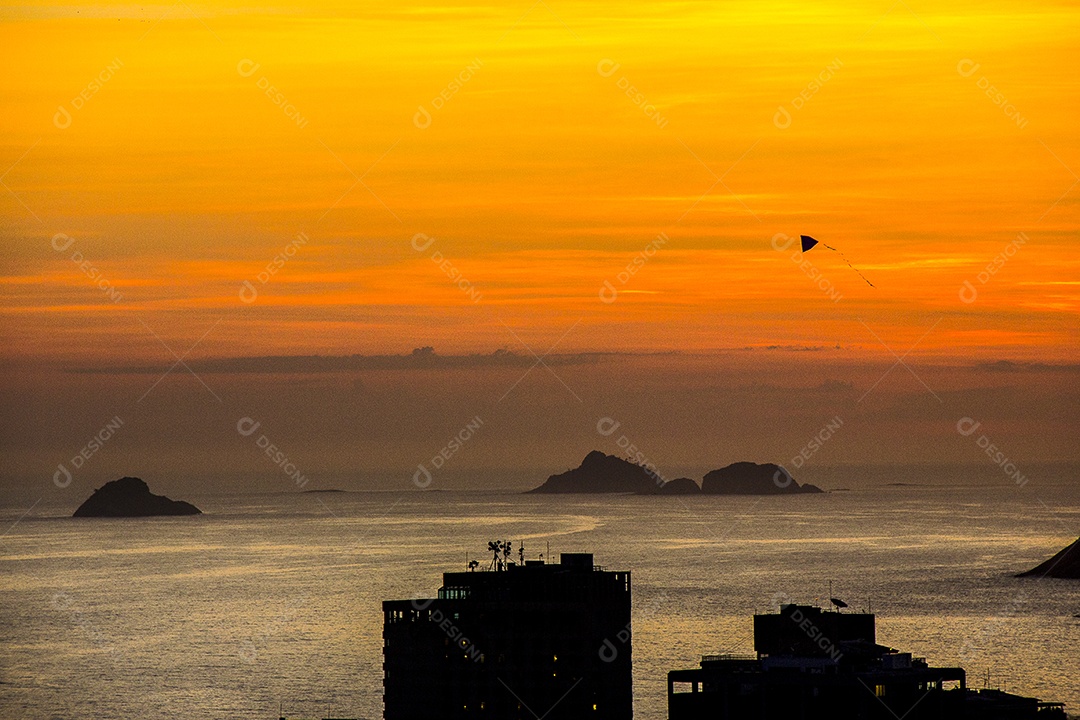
{"x":519,"y":640}
{"x":817,"y":665}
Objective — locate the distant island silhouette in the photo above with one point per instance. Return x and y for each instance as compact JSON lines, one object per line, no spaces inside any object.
{"x":131,"y":497}
{"x":1065,"y":565}
{"x":747,"y":478}
{"x":602,"y":473}
{"x":679,"y":486}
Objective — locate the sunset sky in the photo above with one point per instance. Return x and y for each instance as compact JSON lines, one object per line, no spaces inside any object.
{"x":175,"y":150}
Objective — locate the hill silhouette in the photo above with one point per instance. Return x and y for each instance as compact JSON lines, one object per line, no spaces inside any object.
{"x":602,"y":473}
{"x":747,"y":478}
{"x":131,"y":497}
{"x":1066,"y":564}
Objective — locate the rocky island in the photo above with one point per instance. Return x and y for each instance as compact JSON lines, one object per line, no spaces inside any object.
{"x":679,"y":486}
{"x":601,"y":473}
{"x":1066,"y":565}
{"x":747,"y":478}
{"x":131,"y":497}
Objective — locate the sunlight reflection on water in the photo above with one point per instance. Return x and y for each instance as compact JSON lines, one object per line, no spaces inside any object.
{"x":226,"y":614}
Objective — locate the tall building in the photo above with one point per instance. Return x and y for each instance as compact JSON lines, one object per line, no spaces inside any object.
{"x":519,"y":640}
{"x":818,"y":665}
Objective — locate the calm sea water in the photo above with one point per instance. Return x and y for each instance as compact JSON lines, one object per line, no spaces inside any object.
{"x":276,"y":598}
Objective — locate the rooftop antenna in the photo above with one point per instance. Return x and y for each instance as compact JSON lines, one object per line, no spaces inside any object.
{"x":837,"y":602}
{"x":548,"y":551}
{"x":521,"y":552}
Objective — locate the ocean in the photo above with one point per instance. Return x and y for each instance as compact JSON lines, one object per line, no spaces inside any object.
{"x":273,"y":601}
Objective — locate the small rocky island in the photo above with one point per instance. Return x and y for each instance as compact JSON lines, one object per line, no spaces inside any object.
{"x":1066,"y":565}
{"x":679,"y":486}
{"x":747,"y":478}
{"x":601,"y":473}
{"x":131,"y":497}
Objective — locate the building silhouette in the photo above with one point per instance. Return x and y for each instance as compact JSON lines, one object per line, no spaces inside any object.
{"x":817,"y":665}
{"x":517,"y":640}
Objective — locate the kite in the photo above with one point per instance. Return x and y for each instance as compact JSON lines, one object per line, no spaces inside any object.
{"x":809,"y":242}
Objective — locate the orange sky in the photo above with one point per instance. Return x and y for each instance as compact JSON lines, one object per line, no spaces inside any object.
{"x":539,"y":177}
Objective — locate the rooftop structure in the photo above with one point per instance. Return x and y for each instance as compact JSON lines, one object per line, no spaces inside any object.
{"x":518,"y":640}
{"x":811,"y":664}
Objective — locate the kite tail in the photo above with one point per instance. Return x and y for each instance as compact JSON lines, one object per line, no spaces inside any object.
{"x":849,"y":264}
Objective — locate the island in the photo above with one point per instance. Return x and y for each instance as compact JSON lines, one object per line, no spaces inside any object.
{"x":602,"y":473}
{"x":1065,"y":565}
{"x":131,"y":497}
{"x":747,"y":478}
{"x":679,"y":486}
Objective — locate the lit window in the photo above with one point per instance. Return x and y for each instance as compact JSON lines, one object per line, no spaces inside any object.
{"x":879,"y":690}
